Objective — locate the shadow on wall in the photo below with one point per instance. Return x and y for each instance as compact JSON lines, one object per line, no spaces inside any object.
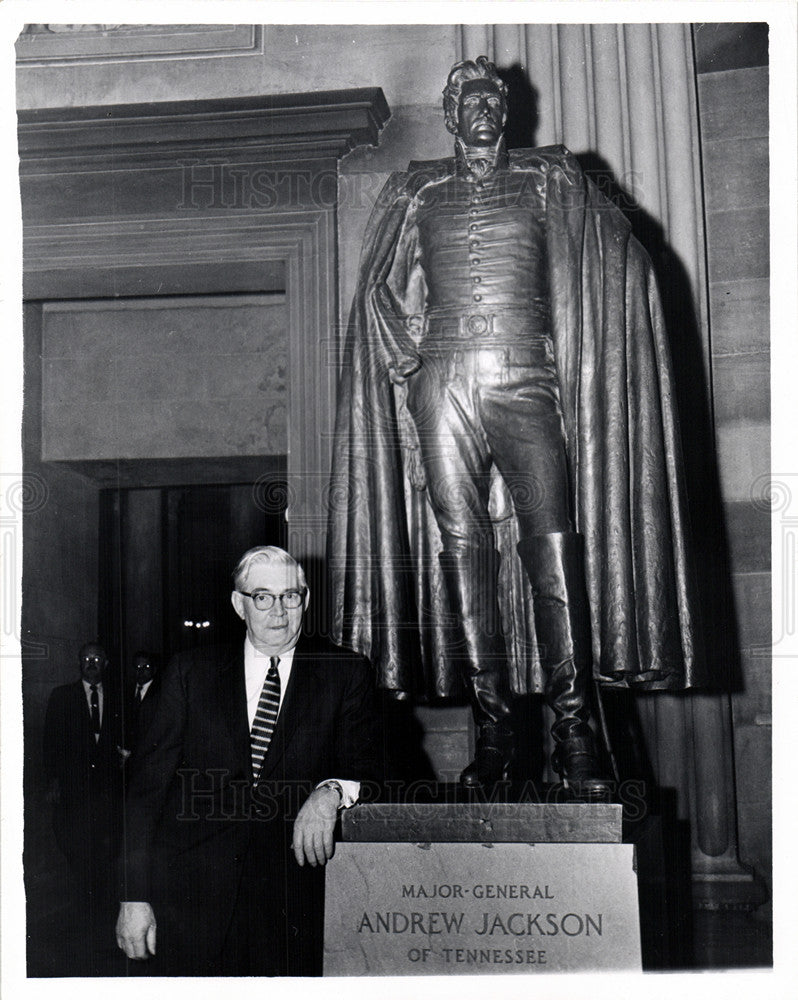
{"x":693,"y":397}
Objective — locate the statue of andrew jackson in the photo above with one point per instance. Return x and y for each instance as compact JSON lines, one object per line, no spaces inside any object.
{"x":507,"y":469}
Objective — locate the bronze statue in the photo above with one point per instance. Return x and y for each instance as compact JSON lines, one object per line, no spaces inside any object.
{"x":507,"y":468}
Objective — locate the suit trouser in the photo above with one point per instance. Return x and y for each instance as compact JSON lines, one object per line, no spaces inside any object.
{"x":278,"y":922}
{"x":269,"y":921}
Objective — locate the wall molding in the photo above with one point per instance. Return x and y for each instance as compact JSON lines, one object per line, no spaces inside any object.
{"x":98,"y":44}
{"x":134,"y":136}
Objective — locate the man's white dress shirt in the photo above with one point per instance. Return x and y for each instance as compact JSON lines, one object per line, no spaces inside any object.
{"x":256,"y":666}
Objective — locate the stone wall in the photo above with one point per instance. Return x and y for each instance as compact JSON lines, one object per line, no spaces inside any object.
{"x":178,"y":377}
{"x":135,"y":64}
{"x":733,"y":105}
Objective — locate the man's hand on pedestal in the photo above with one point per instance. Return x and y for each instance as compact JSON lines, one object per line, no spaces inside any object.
{"x":313,"y":827}
{"x":135,"y":930}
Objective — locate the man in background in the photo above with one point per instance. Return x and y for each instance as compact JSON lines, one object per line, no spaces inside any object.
{"x":83,"y":758}
{"x":144,"y":695}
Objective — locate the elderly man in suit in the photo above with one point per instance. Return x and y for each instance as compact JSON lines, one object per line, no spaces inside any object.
{"x":234,"y":791}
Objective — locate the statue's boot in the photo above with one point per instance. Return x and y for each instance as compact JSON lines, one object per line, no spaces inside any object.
{"x":555,"y":566}
{"x":470,"y":574}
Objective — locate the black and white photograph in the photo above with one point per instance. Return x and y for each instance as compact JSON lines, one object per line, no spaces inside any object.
{"x":398,"y":521}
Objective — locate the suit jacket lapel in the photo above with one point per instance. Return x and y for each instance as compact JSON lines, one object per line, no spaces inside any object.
{"x":233,"y":704}
{"x":301,"y":691}
{"x":84,"y":714}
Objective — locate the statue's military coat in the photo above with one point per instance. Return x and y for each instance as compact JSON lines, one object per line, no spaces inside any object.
{"x":617,"y":397}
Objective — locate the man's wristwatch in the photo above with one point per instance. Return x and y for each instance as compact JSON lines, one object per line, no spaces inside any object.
{"x":336,"y":785}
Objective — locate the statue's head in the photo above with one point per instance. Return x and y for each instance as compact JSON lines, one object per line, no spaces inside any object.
{"x":475,"y":102}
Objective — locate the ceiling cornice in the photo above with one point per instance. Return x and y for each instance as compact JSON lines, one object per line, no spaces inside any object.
{"x":271,"y":128}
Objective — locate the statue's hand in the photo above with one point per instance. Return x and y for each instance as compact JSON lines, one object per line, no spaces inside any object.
{"x":401,"y":372}
{"x":415,"y":325}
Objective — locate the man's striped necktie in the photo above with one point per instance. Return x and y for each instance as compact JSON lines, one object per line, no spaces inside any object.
{"x":265,"y":716}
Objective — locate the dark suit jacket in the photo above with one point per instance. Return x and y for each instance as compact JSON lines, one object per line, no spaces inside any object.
{"x":139,"y":715}
{"x":88,"y":770}
{"x":192,"y":807}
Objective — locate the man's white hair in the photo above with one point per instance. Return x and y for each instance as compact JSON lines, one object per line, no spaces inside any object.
{"x":269,"y":554}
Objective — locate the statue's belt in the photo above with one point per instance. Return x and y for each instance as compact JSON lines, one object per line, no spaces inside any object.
{"x":511,"y":327}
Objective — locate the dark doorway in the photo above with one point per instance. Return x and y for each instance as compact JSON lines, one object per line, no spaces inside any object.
{"x":166,"y":555}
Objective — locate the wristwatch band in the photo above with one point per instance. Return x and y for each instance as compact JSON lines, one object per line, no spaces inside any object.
{"x":332,"y":783}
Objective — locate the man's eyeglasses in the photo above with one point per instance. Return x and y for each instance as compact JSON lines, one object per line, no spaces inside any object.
{"x":264,"y":601}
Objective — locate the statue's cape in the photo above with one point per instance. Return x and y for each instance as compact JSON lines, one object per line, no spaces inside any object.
{"x":617,"y":395}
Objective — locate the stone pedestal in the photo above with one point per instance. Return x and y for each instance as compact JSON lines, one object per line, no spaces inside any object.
{"x":467,"y":888}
